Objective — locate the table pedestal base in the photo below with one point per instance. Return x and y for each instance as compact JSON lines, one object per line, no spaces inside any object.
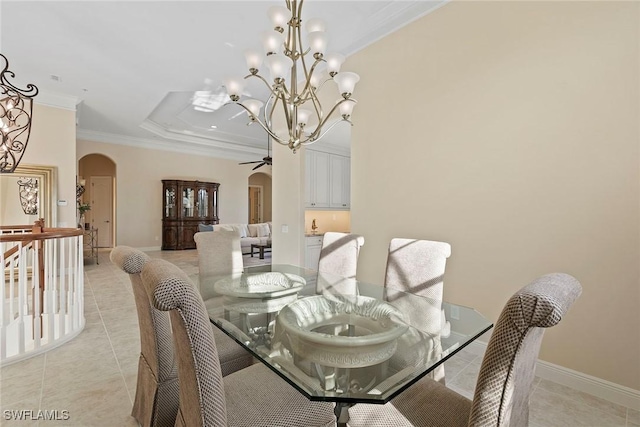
{"x":342,"y":413}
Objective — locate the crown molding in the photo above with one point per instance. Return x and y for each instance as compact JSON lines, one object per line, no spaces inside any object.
{"x":187,"y":145}
{"x":57,"y":100}
{"x":394,"y":19}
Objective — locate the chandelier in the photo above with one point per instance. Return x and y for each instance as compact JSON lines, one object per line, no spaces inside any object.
{"x":288,"y":60}
{"x":28,"y":192}
{"x":16,"y":106}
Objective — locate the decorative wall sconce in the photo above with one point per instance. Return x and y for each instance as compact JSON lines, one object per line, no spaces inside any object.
{"x":16,"y":108}
{"x":28,"y":191}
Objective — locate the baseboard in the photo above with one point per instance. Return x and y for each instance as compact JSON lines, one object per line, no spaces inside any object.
{"x":150,"y":249}
{"x":603,"y":389}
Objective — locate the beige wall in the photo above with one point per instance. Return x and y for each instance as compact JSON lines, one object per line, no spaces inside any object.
{"x":53,"y":143}
{"x":288,"y":202}
{"x":139,"y":172}
{"x":511,"y":131}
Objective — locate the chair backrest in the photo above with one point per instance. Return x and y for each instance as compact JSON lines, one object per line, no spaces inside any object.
{"x":219,"y":254}
{"x":339,"y":254}
{"x":508,"y":367}
{"x":417,"y":266}
{"x":202,"y":396}
{"x":155,"y":328}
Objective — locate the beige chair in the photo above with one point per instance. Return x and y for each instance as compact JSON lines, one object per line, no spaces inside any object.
{"x":339,"y":262}
{"x":506,"y":375}
{"x":157,"y":390}
{"x":254,"y":396}
{"x":339,"y":254}
{"x":417,"y":267}
{"x":219,"y":254}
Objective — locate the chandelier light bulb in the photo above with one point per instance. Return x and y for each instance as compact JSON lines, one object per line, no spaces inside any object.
{"x":254,"y":60}
{"x":346,"y":82}
{"x":280,"y":16}
{"x":334,"y":62}
{"x":303,"y":117}
{"x":272,"y":42}
{"x":234,"y":87}
{"x":346,"y":108}
{"x":254,"y":106}
{"x":316,"y":24}
{"x":279,"y":65}
{"x":317,"y":43}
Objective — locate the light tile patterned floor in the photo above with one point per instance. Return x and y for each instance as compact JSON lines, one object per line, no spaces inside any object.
{"x":93,"y":376}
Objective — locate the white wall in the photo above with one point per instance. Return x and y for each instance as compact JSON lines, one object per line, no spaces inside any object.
{"x":510,"y":130}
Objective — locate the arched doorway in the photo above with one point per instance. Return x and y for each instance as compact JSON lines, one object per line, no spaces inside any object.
{"x":98,"y":172}
{"x":259,"y":198}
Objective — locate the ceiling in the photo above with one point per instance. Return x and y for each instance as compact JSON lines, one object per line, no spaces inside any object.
{"x":133,"y":68}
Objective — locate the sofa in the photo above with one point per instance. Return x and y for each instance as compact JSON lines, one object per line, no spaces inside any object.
{"x":249,"y":233}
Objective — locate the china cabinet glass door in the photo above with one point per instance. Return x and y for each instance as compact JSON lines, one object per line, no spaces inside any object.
{"x":188,"y":202}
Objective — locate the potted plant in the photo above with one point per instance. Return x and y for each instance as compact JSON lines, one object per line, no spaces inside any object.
{"x":82,"y":208}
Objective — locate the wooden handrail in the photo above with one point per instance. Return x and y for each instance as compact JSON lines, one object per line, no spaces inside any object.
{"x":47,"y":233}
{"x":13,"y":250}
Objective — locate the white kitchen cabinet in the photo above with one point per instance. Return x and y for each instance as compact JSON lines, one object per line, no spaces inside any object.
{"x":340,"y":173}
{"x":313,"y":246}
{"x":327,"y":181}
{"x":317,"y":183}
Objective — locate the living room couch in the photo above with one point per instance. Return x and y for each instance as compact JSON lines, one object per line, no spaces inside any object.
{"x":249,"y":233}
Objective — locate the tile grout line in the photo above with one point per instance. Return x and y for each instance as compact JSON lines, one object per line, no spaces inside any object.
{"x":113,"y":350}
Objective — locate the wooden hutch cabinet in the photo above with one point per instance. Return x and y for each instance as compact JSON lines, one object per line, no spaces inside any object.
{"x":185,"y":204}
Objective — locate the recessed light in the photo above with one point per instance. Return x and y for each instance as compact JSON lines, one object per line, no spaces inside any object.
{"x":214,"y":127}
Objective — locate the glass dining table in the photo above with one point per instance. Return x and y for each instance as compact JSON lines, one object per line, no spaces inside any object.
{"x":337,"y":339}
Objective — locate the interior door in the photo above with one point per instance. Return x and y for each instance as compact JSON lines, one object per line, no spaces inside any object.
{"x":102,"y":209}
{"x":255,"y":204}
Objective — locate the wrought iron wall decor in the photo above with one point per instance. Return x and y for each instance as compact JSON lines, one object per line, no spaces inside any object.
{"x":28,"y":191}
{"x":16,"y":108}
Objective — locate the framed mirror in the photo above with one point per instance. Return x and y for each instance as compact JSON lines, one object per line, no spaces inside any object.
{"x":12,"y":190}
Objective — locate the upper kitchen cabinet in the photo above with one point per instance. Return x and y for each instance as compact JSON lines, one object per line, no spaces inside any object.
{"x":340,"y":179}
{"x":328,"y":181}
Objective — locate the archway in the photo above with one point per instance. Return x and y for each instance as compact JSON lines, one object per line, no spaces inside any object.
{"x":98,"y":172}
{"x":259,"y":198}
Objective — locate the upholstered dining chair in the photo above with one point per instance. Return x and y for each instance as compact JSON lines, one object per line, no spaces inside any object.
{"x":417,"y":266}
{"x":254,"y":396}
{"x":339,"y":260}
{"x":219,"y":254}
{"x":157,"y":390}
{"x":506,"y":375}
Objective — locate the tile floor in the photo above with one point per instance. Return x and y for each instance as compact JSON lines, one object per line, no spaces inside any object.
{"x":93,"y":376}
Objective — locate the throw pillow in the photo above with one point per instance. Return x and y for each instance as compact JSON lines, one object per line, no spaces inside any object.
{"x":205,"y":227}
{"x":240,"y":230}
{"x":263,"y":230}
{"x":253,"y":230}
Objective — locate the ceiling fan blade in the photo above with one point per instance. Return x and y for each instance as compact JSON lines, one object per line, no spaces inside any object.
{"x":248,"y":163}
{"x":260,"y":165}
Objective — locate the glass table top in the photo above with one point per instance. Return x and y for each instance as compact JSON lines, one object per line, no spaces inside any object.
{"x":337,"y":339}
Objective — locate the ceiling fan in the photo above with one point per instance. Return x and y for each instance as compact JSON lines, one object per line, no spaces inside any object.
{"x":265,"y":160}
